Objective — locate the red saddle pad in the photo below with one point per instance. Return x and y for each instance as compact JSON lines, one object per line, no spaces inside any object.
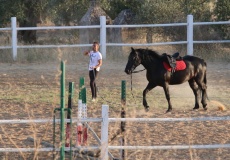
{"x":180,"y":65}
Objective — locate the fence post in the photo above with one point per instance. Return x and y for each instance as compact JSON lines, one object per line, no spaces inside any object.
{"x":190,"y":34}
{"x":104,"y":132}
{"x":14,"y":37}
{"x":103,"y":36}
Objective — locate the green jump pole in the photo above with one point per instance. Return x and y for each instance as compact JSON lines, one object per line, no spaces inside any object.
{"x":123,"y":102}
{"x":123,"y":92}
{"x":70,"y":97}
{"x":82,"y":90}
{"x":68,"y":135}
{"x":62,"y":113}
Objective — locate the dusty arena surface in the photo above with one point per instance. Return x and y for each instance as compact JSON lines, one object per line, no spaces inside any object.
{"x":32,"y":91}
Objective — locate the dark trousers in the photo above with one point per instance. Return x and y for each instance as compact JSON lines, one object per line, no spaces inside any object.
{"x":92,"y":76}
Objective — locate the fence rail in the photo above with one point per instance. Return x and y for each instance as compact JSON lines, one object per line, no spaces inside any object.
{"x":14,"y":46}
{"x":105,"y":120}
{"x":149,"y":120}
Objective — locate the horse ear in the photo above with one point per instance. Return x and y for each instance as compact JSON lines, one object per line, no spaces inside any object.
{"x":132,"y":49}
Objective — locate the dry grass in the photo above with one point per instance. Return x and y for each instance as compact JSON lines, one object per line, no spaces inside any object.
{"x":31,"y":91}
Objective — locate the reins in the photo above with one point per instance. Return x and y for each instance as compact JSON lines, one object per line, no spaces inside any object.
{"x":138,"y":71}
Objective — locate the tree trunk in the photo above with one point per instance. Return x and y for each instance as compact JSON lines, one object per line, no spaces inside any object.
{"x":29,"y":36}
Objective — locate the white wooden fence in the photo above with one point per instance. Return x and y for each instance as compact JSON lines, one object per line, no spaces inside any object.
{"x":105,"y":120}
{"x":14,"y":46}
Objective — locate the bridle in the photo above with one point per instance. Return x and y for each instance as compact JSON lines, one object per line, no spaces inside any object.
{"x":132,"y":78}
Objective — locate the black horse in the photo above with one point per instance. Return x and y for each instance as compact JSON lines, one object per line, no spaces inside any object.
{"x":157,"y":75}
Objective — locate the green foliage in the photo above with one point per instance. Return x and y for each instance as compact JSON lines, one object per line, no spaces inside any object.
{"x":21,"y":9}
{"x":222,"y":13}
{"x":70,"y":12}
{"x":222,"y":10}
{"x":113,"y":8}
{"x":8,"y":9}
{"x":64,"y":12}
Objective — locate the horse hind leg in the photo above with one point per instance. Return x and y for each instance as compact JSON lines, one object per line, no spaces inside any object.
{"x":196,"y":91}
{"x":204,"y":99}
{"x":202,"y":84}
{"x":167,"y":95}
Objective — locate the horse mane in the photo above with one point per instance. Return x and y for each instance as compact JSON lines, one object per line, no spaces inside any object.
{"x":148,"y":53}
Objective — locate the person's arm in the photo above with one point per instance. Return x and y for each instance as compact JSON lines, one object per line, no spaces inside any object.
{"x":99,"y":63}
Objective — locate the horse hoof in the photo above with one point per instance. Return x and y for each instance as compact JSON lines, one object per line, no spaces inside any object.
{"x":195,"y":109}
{"x":168,"y":111}
{"x":147,"y":109}
{"x":205,"y":108}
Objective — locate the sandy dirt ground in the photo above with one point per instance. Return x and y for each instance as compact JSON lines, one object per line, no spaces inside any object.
{"x":31,"y":91}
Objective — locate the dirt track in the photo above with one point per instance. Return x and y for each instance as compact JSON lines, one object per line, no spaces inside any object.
{"x":32,"y":91}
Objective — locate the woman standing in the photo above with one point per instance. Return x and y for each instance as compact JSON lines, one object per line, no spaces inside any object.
{"x":94,"y":67}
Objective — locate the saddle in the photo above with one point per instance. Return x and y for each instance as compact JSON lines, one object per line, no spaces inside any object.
{"x":171,"y":60}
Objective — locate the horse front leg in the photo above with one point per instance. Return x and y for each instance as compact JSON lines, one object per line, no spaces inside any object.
{"x":146,"y":90}
{"x":166,"y":90}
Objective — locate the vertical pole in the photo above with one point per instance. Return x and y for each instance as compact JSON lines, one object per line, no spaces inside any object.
{"x":54,"y":136}
{"x":68,"y":126}
{"x":62,"y":113}
{"x":82,"y":113}
{"x":123,"y":92}
{"x":70,"y":97}
{"x":79,"y":124}
{"x":104,"y":132}
{"x":103,"y":36}
{"x":190,"y":34}
{"x":81,"y":86}
{"x":14,"y":37}
{"x":123,"y":103}
{"x":83,"y":89}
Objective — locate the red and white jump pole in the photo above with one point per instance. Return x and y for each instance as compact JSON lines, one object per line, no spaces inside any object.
{"x":82,"y":131}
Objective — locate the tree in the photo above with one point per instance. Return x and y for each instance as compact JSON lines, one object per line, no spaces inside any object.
{"x":28,"y":13}
{"x":222,"y":13}
{"x":158,"y":12}
{"x":68,"y":11}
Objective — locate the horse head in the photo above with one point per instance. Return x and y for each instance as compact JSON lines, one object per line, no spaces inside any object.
{"x":133,"y":61}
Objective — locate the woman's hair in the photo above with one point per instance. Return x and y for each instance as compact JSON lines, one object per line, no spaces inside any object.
{"x":96,"y":43}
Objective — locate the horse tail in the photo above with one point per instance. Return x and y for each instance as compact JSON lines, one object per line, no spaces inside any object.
{"x":205,"y":77}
